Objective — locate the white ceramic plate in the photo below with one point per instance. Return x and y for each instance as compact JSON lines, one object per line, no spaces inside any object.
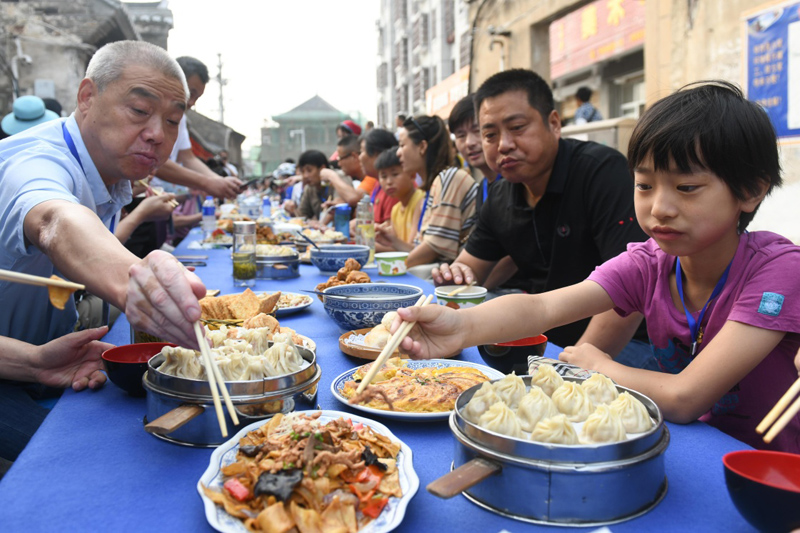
{"x":338,"y":385}
{"x":283,"y":311}
{"x":225,"y":454}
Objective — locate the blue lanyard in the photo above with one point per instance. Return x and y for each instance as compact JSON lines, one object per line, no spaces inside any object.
{"x":74,"y":151}
{"x":485,"y":188}
{"x":71,"y":145}
{"x":422,"y":214}
{"x":695,"y":326}
{"x":375,"y":191}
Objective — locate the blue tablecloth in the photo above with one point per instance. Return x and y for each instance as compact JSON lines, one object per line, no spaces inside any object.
{"x":92,"y":467}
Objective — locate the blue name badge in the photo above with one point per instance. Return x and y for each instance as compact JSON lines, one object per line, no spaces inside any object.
{"x":771,"y":304}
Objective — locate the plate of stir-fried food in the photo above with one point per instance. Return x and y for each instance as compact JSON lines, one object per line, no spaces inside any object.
{"x":320,"y":471}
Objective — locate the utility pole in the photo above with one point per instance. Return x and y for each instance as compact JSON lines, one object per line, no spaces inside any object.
{"x":222,"y":82}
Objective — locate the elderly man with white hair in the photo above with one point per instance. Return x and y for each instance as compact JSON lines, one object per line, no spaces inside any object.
{"x":62,"y":185}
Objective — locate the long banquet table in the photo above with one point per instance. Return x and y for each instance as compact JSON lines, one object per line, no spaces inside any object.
{"x":92,"y":467}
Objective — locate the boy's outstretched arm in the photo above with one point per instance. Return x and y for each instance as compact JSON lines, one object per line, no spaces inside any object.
{"x":441,"y":331}
{"x":736,"y":350}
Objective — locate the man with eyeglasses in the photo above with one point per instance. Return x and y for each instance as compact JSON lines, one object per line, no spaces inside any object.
{"x":348,"y":150}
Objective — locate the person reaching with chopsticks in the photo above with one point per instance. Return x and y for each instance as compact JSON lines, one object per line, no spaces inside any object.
{"x":62,"y":184}
{"x":722,"y":305}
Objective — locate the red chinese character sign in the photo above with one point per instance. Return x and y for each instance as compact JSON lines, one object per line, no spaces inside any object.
{"x":595,"y":32}
{"x":773,"y":62}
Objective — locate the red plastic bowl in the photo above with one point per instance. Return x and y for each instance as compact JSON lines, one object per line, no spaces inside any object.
{"x":765,"y":488}
{"x":125,"y":365}
{"x":512,"y":356}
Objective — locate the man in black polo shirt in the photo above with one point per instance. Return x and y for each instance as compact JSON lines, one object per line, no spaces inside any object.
{"x":563,"y":207}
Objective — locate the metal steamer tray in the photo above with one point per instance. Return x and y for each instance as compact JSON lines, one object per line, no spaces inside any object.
{"x":278,"y":266}
{"x":562,"y":485}
{"x":181,"y":410}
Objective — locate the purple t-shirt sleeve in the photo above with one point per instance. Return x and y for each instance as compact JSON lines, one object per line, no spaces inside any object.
{"x":627,"y":277}
{"x":770,"y":299}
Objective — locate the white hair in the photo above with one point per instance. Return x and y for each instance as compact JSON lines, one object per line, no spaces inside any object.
{"x":110,"y":61}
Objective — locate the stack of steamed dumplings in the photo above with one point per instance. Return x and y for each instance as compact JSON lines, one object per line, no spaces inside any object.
{"x":548,"y":410}
{"x":240,"y":354}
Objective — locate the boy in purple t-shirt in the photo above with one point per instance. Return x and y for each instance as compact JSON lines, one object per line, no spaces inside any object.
{"x":722,"y":305}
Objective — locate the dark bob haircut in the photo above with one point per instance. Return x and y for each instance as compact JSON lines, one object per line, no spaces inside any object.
{"x":463,"y":113}
{"x":710,"y":126}
{"x":377,"y":140}
{"x":315,"y":158}
{"x":192,"y":66}
{"x":387,"y":159}
{"x":540,"y":97}
{"x":584,"y":94}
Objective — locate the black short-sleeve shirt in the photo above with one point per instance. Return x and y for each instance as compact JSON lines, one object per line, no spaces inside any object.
{"x":585,"y":217}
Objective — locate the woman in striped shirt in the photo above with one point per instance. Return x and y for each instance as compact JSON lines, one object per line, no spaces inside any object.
{"x":449,"y":207}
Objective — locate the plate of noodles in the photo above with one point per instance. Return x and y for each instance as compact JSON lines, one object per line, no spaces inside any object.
{"x":424,"y":390}
{"x":351,"y":453}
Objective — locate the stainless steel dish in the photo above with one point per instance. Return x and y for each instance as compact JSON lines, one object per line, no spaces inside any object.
{"x":181,"y":410}
{"x":277,"y":267}
{"x":583,"y":485}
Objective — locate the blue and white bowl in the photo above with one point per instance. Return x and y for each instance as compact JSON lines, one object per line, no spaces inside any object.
{"x":366,"y":303}
{"x":331,"y":257}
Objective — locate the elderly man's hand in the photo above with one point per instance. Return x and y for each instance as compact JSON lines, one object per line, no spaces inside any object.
{"x":224,"y":187}
{"x":454,"y":274}
{"x":72,"y":360}
{"x":163,"y":298}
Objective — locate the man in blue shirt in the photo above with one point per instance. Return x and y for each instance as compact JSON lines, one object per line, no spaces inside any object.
{"x":62,"y":184}
{"x":586,"y":111}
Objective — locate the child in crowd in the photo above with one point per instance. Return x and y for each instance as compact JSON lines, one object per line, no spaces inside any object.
{"x":399,"y":232}
{"x":311,"y":163}
{"x":721,"y":304}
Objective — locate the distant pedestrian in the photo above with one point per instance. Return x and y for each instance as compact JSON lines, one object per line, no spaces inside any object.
{"x":586,"y":112}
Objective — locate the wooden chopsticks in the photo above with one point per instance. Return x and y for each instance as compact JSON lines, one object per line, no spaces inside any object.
{"x":215,"y":380}
{"x":173,"y":202}
{"x":782,"y":404}
{"x":461,"y":289}
{"x":391,"y":346}
{"x":18,"y":277}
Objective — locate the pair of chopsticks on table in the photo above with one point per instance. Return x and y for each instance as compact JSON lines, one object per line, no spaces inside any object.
{"x":391,"y":346}
{"x":215,"y":380}
{"x":173,"y":202}
{"x":784,"y":419}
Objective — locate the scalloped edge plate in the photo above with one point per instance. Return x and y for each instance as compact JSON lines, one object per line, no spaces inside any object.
{"x":338,"y":384}
{"x":225,"y":454}
{"x":291,"y":310}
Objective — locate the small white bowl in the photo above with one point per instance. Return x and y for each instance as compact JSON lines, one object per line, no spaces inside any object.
{"x":391,"y":263}
{"x":469,"y":297}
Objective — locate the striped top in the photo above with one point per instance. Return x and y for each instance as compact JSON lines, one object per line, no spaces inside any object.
{"x":450,"y":213}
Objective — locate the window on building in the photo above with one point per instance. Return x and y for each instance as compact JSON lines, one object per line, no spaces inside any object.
{"x":448,"y":20}
{"x":628,"y":96}
{"x":399,"y":11}
{"x":381,"y":38}
{"x":465,"y":50}
{"x":382,"y":76}
{"x":434,"y":23}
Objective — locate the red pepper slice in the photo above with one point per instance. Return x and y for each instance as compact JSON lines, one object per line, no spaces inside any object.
{"x":236,"y":489}
{"x":374,"y":507}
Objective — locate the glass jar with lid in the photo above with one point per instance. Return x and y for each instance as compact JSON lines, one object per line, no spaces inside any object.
{"x":244,"y":253}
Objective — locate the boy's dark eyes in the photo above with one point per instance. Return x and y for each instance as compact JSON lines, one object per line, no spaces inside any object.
{"x":687,"y":188}
{"x":642,"y":187}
